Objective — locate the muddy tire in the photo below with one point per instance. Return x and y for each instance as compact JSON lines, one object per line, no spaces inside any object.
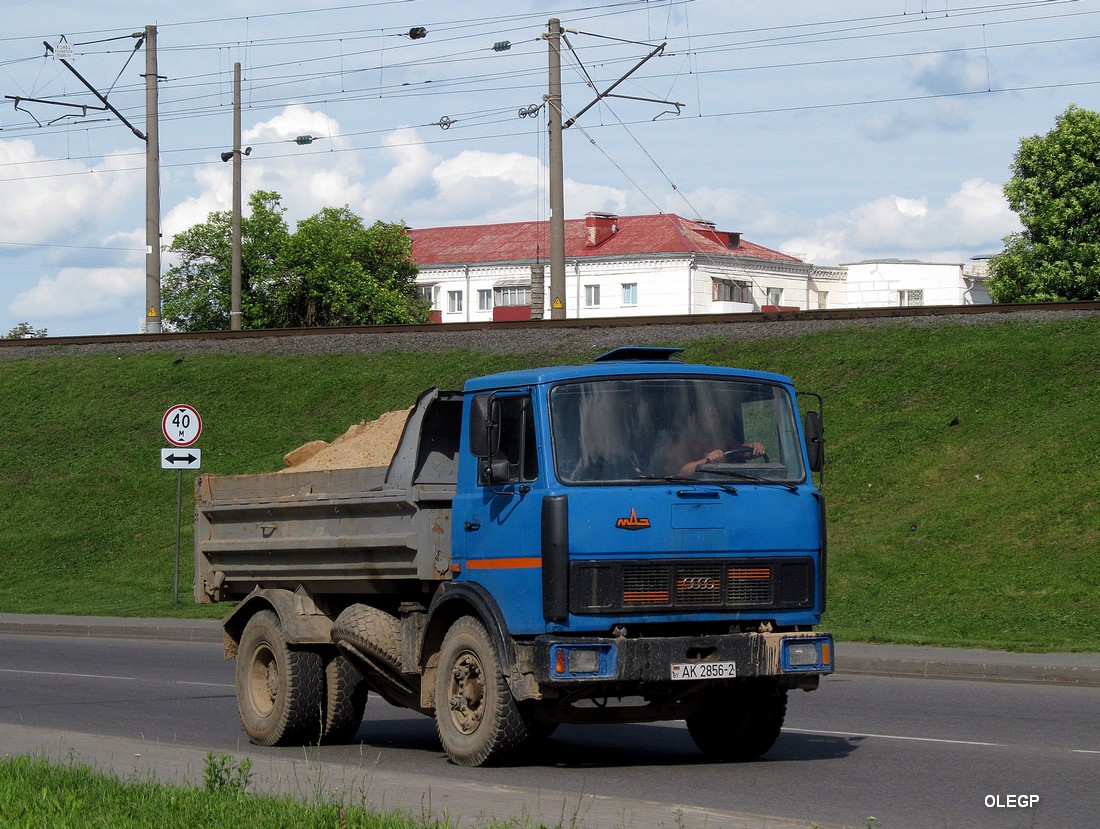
{"x":739,"y":723}
{"x":279,"y":688}
{"x":478,"y":720}
{"x":345,"y":700}
{"x":372,"y":631}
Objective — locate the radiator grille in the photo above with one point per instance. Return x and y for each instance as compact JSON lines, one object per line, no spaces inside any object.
{"x":749,"y":585}
{"x":645,"y":586}
{"x":699,"y":586}
{"x":722,"y":584}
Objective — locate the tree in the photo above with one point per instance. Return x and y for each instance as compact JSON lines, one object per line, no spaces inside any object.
{"x":1055,"y":190}
{"x":25,"y":331}
{"x":338,"y":272}
{"x":331,"y":271}
{"x":196,"y":293}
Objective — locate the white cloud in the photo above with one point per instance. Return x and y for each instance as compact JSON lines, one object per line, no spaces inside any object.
{"x":971,"y":221}
{"x":81,"y":292}
{"x":946,"y":73}
{"x":308,"y":177}
{"x":939,"y":116}
{"x":471,"y":187}
{"x":49,"y":202}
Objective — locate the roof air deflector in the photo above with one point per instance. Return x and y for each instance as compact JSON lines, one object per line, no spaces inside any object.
{"x":636,"y":353}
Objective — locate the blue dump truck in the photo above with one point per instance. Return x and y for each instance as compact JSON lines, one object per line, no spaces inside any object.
{"x":634,"y":540}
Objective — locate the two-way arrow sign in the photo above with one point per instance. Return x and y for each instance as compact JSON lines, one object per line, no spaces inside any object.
{"x":175,"y":458}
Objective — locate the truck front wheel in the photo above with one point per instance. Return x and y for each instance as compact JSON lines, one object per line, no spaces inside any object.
{"x":476,"y":716}
{"x":279,"y":688}
{"x":740,"y":722}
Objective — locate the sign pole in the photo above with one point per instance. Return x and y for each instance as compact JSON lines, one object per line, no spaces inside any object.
{"x":179,"y":508}
{"x":181,"y":426}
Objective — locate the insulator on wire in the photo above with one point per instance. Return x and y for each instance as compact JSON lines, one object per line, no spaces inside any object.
{"x":502,"y":46}
{"x":417,"y":32}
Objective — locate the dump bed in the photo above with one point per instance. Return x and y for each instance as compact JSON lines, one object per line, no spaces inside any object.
{"x":345,"y":531}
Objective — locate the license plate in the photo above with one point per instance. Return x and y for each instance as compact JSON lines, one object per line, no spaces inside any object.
{"x":705,"y":670}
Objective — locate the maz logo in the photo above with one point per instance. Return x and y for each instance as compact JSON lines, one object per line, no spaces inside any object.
{"x":633,"y":522}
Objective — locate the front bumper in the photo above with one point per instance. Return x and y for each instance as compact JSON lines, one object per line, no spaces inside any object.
{"x":567,"y":661}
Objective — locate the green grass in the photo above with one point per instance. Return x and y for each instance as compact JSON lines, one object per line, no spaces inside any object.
{"x":35,"y":793}
{"x":981,"y":534}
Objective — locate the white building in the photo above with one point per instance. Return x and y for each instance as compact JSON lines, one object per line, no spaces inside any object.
{"x":656,"y":265}
{"x":893,"y":282}
{"x":615,"y":266}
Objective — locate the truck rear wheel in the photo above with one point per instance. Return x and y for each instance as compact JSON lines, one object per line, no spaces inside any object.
{"x":371,"y":630}
{"x":345,"y":700}
{"x":476,"y":716}
{"x":739,"y":723}
{"x":279,"y":688}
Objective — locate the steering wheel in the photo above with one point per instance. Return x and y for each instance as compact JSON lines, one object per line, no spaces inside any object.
{"x":742,"y":454}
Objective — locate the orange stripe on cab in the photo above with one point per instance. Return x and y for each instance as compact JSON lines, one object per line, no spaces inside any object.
{"x":502,"y":563}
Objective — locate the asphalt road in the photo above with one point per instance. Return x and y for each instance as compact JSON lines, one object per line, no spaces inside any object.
{"x":908,"y":752}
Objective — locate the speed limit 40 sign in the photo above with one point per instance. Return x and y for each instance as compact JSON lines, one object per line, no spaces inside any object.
{"x":181,"y":425}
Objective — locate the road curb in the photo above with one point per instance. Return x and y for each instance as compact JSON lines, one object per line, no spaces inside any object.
{"x":1081,"y":669}
{"x":1078,"y":669}
{"x":170,"y":630}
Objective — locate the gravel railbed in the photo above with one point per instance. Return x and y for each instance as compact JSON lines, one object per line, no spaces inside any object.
{"x":511,"y":340}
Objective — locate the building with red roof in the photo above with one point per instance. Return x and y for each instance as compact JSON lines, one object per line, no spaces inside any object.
{"x":615,"y":266}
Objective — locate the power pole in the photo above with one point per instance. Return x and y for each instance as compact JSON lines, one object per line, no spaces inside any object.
{"x":152,"y":186}
{"x":554,"y":39}
{"x":235,"y":295}
{"x":557,"y":176}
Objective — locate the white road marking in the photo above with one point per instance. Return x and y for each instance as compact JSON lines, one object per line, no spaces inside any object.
{"x":117,"y":678}
{"x":61,"y":673}
{"x":894,"y":737}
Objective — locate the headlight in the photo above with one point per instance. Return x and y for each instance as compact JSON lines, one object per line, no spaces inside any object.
{"x":807,"y":654}
{"x":582,"y":661}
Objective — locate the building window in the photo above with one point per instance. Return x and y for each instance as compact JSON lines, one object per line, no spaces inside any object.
{"x":484,"y":299}
{"x":512,"y":295}
{"x":822,"y":300}
{"x":428,"y":293}
{"x":630,"y":293}
{"x":723,"y":290}
{"x":591,"y":296}
{"x":775,"y":296}
{"x":454,"y":302}
{"x":911,"y":298}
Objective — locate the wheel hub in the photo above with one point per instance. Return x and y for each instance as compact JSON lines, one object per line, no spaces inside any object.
{"x":467,"y":693}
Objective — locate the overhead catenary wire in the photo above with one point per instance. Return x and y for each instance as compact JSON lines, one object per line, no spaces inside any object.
{"x":470,"y":83}
{"x":697,"y":50}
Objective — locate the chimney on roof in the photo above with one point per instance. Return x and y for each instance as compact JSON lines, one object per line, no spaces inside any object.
{"x":599,"y":227}
{"x":734,"y":239}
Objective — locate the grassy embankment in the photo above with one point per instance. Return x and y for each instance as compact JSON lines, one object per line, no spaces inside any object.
{"x":980,"y":534}
{"x":35,"y":793}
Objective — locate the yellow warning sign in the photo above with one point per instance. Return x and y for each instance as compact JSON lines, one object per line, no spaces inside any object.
{"x":152,"y":311}
{"x":557,"y":304}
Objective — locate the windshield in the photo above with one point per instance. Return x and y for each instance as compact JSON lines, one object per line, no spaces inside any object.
{"x":648,"y":429}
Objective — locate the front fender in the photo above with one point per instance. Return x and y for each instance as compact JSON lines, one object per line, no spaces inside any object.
{"x":451,"y":601}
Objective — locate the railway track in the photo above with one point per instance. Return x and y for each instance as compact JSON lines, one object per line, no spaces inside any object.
{"x":608,"y":323}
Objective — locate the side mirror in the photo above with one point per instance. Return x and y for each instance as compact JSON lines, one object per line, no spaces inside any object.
{"x":494,"y":471}
{"x":484,"y":426}
{"x":815,"y":440}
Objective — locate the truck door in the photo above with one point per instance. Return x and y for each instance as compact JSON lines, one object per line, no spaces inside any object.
{"x":498,"y":514}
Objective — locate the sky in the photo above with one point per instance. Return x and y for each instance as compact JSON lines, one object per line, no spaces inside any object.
{"x":835,"y":131}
